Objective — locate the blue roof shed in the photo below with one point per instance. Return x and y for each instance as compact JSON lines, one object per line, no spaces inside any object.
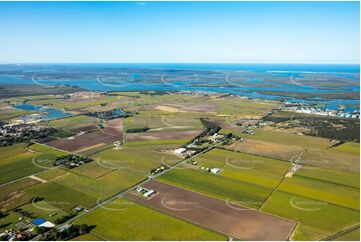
{"x":38,"y":221}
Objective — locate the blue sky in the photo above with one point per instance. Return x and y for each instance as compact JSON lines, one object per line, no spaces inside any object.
{"x":217,"y":32}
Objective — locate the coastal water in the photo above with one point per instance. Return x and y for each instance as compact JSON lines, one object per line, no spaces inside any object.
{"x":46,"y":113}
{"x":140,"y":77}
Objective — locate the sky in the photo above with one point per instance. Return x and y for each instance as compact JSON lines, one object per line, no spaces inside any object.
{"x":183,"y":32}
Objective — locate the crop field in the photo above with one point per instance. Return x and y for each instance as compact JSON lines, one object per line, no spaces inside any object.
{"x":103,"y":187}
{"x":353,"y":235}
{"x":52,"y":173}
{"x":16,"y":162}
{"x":287,"y":138}
{"x":12,"y":195}
{"x":75,"y":123}
{"x":284,"y":182}
{"x":73,"y":104}
{"x":222,"y":187}
{"x":244,"y":167}
{"x":61,"y":196}
{"x":266,"y":149}
{"x":333,"y":159}
{"x":140,"y":158}
{"x":125,"y":220}
{"x":158,"y":143}
{"x":160,"y":135}
{"x":91,"y":142}
{"x":331,"y":176}
{"x":349,"y":147}
{"x":93,"y":169}
{"x":234,"y":220}
{"x":43,"y":210}
{"x":317,"y":219}
{"x":324,"y":191}
{"x":47,"y":150}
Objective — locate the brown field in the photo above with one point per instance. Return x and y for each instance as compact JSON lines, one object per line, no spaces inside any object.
{"x":267,"y":149}
{"x":84,"y":129}
{"x":112,"y":132}
{"x":333,"y":159}
{"x":233,"y":220}
{"x":163,"y":135}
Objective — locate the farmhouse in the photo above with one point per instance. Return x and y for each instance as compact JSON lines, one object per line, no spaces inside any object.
{"x":179,"y":151}
{"x":215,"y":171}
{"x":149,"y":193}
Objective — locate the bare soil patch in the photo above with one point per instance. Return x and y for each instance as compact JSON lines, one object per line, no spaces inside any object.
{"x":236,"y":221}
{"x":112,"y":132}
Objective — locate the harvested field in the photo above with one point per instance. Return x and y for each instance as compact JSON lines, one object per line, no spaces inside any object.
{"x":163,"y":135}
{"x":112,"y":132}
{"x":333,"y":159}
{"x":84,"y":129}
{"x":230,"y":219}
{"x":168,"y":109}
{"x":271,"y":150}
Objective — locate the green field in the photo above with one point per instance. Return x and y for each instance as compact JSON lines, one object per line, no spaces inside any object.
{"x":140,"y":158}
{"x":61,"y":196}
{"x":61,"y":103}
{"x":351,"y":148}
{"x":171,"y":143}
{"x":316,"y":219}
{"x":7,"y":113}
{"x":289,"y":139}
{"x":74,"y":122}
{"x":11,"y":194}
{"x":244,"y":167}
{"x":43,"y":210}
{"x":88,"y":237}
{"x":222,"y":187}
{"x":323,"y":191}
{"x":124,"y":220}
{"x":92,"y":169}
{"x":353,"y":235}
{"x":103,"y":187}
{"x":331,"y":176}
{"x":52,"y":173}
{"x":16,"y":162}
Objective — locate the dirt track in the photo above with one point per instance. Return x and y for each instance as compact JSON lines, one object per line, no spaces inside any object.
{"x":233,"y":220}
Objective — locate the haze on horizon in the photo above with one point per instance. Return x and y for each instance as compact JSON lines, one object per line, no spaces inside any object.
{"x":194,"y":32}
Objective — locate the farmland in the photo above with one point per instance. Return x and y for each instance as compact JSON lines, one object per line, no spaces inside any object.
{"x":75,"y":123}
{"x":244,"y":193}
{"x":221,"y":167}
{"x":122,"y":220}
{"x":140,"y":158}
{"x":316,"y":219}
{"x":17,"y":161}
